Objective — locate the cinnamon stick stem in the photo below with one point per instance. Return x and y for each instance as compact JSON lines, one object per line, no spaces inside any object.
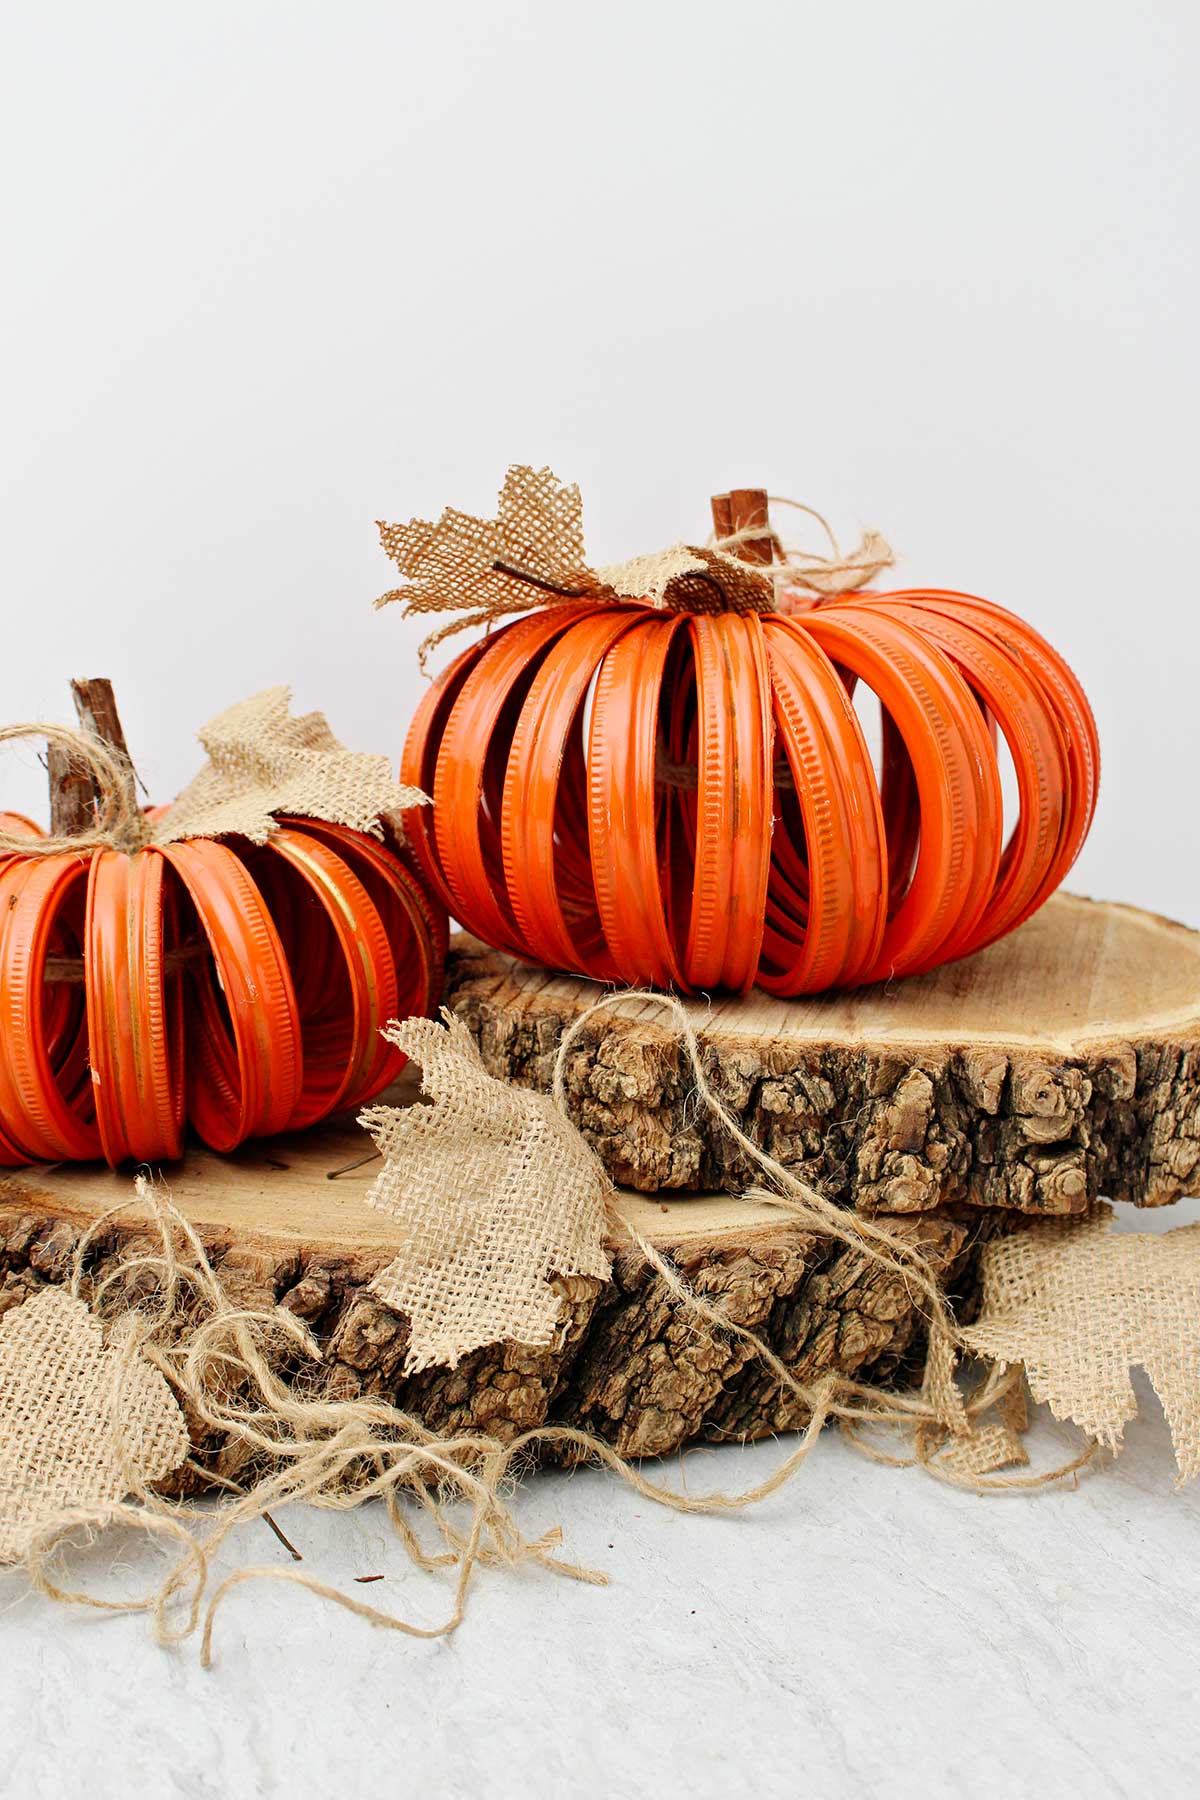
{"x":746,"y":509}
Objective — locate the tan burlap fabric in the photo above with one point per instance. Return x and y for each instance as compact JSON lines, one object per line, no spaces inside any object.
{"x":538,"y":531}
{"x":81,"y":1424}
{"x":532,"y":555}
{"x":1079,"y":1305}
{"x":690,"y":578}
{"x":984,"y":1449}
{"x":263,"y":762}
{"x":493,"y":1192}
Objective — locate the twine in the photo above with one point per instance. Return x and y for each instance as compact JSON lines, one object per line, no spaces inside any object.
{"x":802,"y":571}
{"x":120,"y":823}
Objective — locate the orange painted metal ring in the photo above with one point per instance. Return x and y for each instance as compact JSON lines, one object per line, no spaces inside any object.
{"x":956,"y":776}
{"x":416,"y":930}
{"x":842,"y":926}
{"x":245,"y":1064}
{"x":46,"y":1113}
{"x":134,"y":1010}
{"x":341,"y":1039}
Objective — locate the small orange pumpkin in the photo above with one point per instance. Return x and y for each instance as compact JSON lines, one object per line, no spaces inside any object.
{"x":237,"y":988}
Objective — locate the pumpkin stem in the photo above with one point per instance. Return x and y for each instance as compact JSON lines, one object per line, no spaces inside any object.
{"x":73,"y":791}
{"x":742,"y":526}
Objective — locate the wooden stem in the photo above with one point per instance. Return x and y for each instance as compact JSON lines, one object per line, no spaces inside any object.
{"x":72,"y":799}
{"x":72,"y":791}
{"x":96,"y":710}
{"x":745,"y":509}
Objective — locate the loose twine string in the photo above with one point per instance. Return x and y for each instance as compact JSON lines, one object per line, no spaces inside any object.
{"x":119,"y":823}
{"x":805,"y":571}
{"x":227,"y":1364}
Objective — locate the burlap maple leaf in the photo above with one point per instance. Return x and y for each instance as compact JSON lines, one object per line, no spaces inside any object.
{"x":264,"y":762}
{"x":532,"y":554}
{"x":1079,"y":1304}
{"x":493,"y":1191}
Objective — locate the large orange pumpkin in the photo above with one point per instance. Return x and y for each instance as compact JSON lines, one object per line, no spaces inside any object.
{"x":238,"y":989}
{"x":689,"y":800}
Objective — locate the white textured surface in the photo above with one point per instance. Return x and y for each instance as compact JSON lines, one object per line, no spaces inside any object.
{"x":865,"y":1632}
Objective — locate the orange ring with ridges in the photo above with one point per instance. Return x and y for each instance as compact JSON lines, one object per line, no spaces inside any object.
{"x":135,"y":1025}
{"x":245,"y":1066}
{"x":37,"y":1120}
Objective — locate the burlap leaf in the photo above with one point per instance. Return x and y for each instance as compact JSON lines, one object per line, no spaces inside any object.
{"x":1079,"y":1304}
{"x":532,"y":554}
{"x":79,"y":1423}
{"x":494,"y":1192}
{"x":263,"y":762}
{"x":467,"y":563}
{"x":691,"y":578}
{"x":649,"y":577}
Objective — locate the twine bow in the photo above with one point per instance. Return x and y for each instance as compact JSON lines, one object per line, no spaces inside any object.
{"x":802,"y":571}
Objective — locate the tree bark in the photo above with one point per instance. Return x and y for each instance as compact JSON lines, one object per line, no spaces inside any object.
{"x":628,"y":1366}
{"x":1061,"y":1064}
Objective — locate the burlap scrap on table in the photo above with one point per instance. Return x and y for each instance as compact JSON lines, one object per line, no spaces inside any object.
{"x":80,"y":1424}
{"x":263,"y":763}
{"x":1078,"y":1304}
{"x":532,"y":554}
{"x":494,"y":1193}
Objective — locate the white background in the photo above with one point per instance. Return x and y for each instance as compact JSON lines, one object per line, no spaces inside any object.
{"x":272,"y":272}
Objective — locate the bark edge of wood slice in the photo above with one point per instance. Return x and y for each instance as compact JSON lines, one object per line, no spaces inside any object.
{"x":627,"y":1365}
{"x":1061,"y":1064}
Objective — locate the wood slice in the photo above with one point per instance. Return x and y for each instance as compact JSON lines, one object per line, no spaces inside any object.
{"x":628,"y":1366}
{"x":1060,"y":1064}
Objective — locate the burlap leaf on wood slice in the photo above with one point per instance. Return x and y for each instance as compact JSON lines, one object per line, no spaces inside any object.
{"x":493,"y":1192}
{"x":81,"y":1425}
{"x":264,"y":763}
{"x":532,"y":554}
{"x":1080,"y":1304}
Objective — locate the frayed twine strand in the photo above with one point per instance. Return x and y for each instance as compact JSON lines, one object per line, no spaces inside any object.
{"x":120,"y":823}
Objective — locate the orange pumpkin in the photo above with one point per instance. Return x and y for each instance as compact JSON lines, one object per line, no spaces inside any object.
{"x":238,"y":989}
{"x":688,"y":799}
